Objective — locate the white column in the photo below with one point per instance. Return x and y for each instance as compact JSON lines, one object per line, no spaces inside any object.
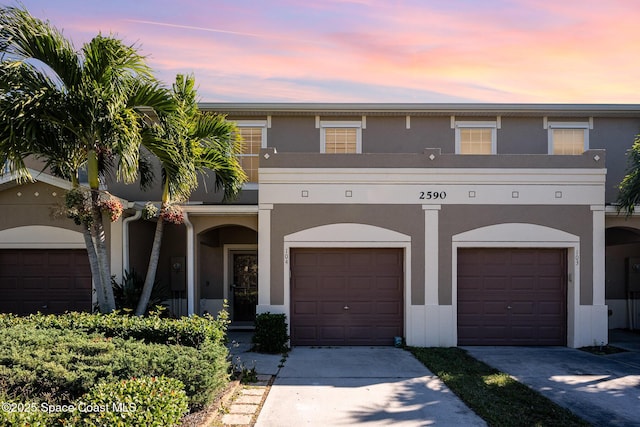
{"x":598,"y":254}
{"x":191,"y":262}
{"x":432,"y":328}
{"x":264,"y":255}
{"x":116,"y":249}
{"x":431,"y":213}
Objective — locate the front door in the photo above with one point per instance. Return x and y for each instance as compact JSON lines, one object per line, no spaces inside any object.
{"x":244,"y":285}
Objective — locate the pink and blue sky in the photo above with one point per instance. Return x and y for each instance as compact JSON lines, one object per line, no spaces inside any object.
{"x":514,"y":51}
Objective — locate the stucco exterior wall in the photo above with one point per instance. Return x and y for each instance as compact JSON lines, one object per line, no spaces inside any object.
{"x":33,"y":204}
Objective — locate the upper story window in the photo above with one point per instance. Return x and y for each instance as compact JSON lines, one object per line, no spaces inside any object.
{"x":340,"y":137}
{"x":254,"y":137}
{"x":569,"y":138}
{"x":476,"y":137}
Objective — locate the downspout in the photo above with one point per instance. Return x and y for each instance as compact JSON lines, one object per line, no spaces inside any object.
{"x":191,"y":289}
{"x":125,"y":238}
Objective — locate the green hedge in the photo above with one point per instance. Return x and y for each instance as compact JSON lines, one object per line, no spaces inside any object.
{"x":48,"y":360}
{"x":148,"y":401}
{"x":22,"y":412}
{"x":189,"y":331}
{"x":59,"y":366}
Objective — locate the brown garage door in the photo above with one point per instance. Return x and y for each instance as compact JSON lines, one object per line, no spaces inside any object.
{"x":46,"y":280}
{"x":346,"y":296}
{"x":512,"y":296}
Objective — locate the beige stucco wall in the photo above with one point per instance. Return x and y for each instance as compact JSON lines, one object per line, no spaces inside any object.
{"x":33,"y":204}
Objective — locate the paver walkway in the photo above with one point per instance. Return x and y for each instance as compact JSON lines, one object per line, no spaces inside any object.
{"x":244,"y":408}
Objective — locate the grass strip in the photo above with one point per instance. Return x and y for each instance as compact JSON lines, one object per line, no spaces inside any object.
{"x":493,"y":395}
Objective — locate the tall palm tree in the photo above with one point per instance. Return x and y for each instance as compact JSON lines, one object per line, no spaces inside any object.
{"x":188,"y":143}
{"x":629,"y":188}
{"x":73,"y":109}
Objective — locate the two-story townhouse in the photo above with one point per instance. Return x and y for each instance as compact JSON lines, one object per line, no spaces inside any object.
{"x":460,"y":224}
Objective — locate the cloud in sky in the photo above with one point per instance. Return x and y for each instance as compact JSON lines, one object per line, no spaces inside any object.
{"x":375,"y":50}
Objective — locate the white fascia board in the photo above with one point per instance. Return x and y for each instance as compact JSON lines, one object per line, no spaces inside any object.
{"x":420,"y":185}
{"x":578,"y":176}
{"x":196,"y":210}
{"x":418,"y":194}
{"x":39,"y":176}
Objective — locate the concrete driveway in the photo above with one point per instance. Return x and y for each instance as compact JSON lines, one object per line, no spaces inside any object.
{"x":374,"y":386}
{"x":604,"y":390}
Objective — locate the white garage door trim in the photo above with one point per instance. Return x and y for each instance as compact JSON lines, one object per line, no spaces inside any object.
{"x":349,"y":235}
{"x":41,"y":237}
{"x":523,"y":235}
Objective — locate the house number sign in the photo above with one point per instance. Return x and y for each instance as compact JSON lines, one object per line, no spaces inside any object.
{"x":432,"y":195}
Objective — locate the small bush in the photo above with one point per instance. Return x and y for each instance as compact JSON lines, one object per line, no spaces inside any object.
{"x":270,"y":334}
{"x":127,"y":292}
{"x":147,"y":401}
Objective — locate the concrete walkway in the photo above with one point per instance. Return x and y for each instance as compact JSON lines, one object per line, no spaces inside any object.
{"x":240,"y":349}
{"x":344,"y":386}
{"x":244,"y":407}
{"x":604,"y":390}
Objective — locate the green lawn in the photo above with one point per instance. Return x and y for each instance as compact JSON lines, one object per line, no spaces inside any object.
{"x":494,"y":396}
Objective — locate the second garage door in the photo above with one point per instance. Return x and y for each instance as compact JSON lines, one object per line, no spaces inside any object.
{"x":346,"y":296}
{"x":45,"y":280}
{"x":510,"y":296}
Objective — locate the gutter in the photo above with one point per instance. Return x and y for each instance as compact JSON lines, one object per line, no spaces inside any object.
{"x":125,"y":236}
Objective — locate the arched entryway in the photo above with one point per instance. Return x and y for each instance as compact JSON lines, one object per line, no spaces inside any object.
{"x":622,"y":263}
{"x":228,"y":270}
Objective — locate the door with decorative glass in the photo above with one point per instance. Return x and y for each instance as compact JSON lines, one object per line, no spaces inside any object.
{"x":244,"y":286}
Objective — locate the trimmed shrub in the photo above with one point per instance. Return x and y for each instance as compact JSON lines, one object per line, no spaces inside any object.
{"x":52,"y":366}
{"x":270,"y":335}
{"x":21,"y":412}
{"x":58,"y":366}
{"x":147,"y":401}
{"x":190,"y":331}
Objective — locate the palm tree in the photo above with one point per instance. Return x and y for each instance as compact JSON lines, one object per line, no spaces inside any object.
{"x":188,"y":143}
{"x":74,"y":109}
{"x":629,"y":188}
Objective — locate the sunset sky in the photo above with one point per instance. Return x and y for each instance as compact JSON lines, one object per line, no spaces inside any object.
{"x":514,"y":51}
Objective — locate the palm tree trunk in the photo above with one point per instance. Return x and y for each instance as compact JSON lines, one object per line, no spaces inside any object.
{"x":150,"y":278}
{"x":104,"y":270}
{"x":97,"y":233}
{"x":95,"y":269}
{"x":93,"y":258}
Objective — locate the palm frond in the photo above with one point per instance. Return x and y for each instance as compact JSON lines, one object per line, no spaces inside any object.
{"x":189,"y":143}
{"x":629,"y":188}
{"x":145,"y":169}
{"x":24,"y":37}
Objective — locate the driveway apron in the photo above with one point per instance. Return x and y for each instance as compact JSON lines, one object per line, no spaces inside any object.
{"x":603,"y":390}
{"x":344,"y":386}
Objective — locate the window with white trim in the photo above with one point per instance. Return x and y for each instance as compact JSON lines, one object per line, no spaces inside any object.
{"x":568,"y":138}
{"x":341,"y":137}
{"x":254,"y":137}
{"x":476,"y":137}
